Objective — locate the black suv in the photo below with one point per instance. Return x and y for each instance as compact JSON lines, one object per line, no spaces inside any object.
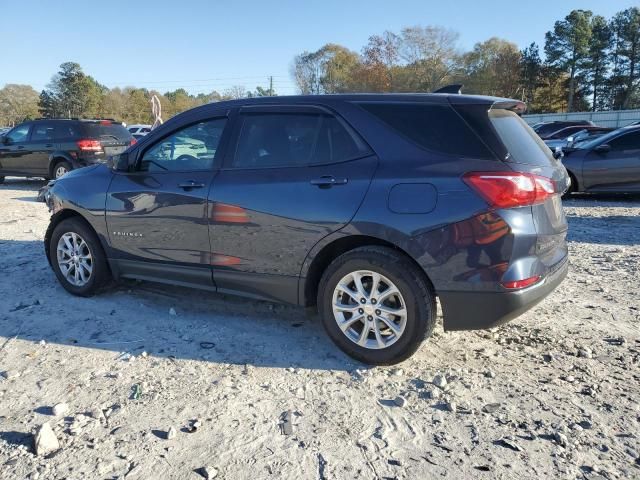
{"x":368,"y":206}
{"x":52,"y":147}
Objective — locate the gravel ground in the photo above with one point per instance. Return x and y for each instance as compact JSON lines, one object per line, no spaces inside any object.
{"x":159,"y":382}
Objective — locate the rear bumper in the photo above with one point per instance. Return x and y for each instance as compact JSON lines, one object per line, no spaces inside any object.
{"x":481,"y":310}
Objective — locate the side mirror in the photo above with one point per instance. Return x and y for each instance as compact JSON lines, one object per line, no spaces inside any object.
{"x":121,"y":162}
{"x":558,"y":153}
{"x":604,"y":148}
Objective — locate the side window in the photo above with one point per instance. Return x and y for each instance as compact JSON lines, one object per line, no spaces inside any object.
{"x":42,"y":132}
{"x":434,"y":127}
{"x":65,"y":130}
{"x":19,"y":134}
{"x":293,"y":139}
{"x":188,"y":149}
{"x":628,"y":141}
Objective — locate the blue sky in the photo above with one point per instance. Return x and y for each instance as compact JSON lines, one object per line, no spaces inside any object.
{"x":204,"y":45}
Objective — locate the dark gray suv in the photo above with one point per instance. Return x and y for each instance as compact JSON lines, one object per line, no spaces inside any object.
{"x":368,"y":206}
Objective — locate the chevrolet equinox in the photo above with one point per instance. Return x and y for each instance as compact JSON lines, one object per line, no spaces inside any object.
{"x":367,"y":206}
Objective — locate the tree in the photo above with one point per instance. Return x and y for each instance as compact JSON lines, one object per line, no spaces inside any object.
{"x":331,"y":69}
{"x":17,"y":103}
{"x":597,"y":62}
{"x":380,"y":61}
{"x":493,"y":68}
{"x":72,"y":93}
{"x":625,"y":28}
{"x":234,"y":93}
{"x":567,"y":47}
{"x":530,"y":69}
{"x":431,"y":57}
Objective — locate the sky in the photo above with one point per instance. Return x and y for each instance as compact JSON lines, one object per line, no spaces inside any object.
{"x":204,"y":45}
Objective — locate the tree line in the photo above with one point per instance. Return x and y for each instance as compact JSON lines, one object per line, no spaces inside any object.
{"x":73,"y":93}
{"x":590,"y":63}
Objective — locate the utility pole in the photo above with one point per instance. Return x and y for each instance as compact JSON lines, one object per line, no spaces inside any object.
{"x":271,"y":86}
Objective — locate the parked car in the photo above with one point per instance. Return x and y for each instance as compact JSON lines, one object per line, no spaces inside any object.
{"x":568,"y":135}
{"x":609,"y":163}
{"x":50,"y":148}
{"x":139,"y":129}
{"x":546,"y":129}
{"x":366,"y":206}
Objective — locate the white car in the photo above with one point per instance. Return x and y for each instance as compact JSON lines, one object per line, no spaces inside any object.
{"x":139,"y":129}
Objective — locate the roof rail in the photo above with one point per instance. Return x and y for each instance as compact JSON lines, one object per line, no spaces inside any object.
{"x":453,"y":88}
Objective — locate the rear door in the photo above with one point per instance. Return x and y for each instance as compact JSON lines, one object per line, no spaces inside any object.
{"x":295,"y":175}
{"x":15,"y":150}
{"x":41,"y":145}
{"x":157,"y":214}
{"x":617,"y":169}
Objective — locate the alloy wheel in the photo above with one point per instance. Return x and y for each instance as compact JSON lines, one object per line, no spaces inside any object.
{"x":74,"y":259}
{"x":369,"y":309}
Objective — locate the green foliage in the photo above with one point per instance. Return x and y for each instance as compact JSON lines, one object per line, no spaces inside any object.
{"x":17,"y":103}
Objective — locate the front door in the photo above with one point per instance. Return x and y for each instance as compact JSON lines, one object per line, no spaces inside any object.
{"x":296,"y":175}
{"x":14,"y":150}
{"x":617,"y":169}
{"x":157,"y":215}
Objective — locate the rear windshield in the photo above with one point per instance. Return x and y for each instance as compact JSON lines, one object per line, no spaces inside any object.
{"x":433,"y":127}
{"x":113,"y":131}
{"x":521,"y":142}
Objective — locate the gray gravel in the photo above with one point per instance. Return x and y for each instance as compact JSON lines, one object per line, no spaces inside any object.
{"x":553,"y":394}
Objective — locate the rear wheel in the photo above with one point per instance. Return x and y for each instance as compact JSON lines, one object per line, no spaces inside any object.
{"x":376,"y":305}
{"x":61,"y":168}
{"x":77,"y":257}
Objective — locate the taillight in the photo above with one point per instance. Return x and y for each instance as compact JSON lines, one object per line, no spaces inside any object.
{"x":133,"y":142}
{"x":521,"y":283}
{"x":511,"y":189}
{"x":89,"y":145}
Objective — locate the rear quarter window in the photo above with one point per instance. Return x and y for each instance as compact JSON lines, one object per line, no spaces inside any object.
{"x":437,"y":128}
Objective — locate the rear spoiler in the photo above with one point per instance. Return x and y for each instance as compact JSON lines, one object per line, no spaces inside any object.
{"x":455,"y":88}
{"x":515,"y":106}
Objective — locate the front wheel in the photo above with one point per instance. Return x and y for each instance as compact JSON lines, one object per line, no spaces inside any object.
{"x":77,"y":257}
{"x":61,"y":169}
{"x":376,"y":305}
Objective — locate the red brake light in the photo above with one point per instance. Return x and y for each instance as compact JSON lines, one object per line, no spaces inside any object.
{"x":133,"y":142}
{"x":521,"y":283}
{"x":510,"y":189}
{"x":105,"y":122}
{"x":89,"y":145}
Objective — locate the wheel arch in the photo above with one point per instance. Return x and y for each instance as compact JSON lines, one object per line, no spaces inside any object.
{"x":310,"y":282}
{"x":55,"y":158}
{"x":58,"y":217}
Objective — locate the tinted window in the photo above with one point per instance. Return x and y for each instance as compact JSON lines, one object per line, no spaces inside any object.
{"x":42,"y":132}
{"x":191,"y":148}
{"x":628,"y":141}
{"x":522,"y":143}
{"x":434,"y":127}
{"x":66,"y":130}
{"x":287,"y":139}
{"x":19,"y":134}
{"x":114,"y":131}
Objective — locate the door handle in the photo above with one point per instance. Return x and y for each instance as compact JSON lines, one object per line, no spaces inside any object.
{"x":327,"y":181}
{"x":188,"y":185}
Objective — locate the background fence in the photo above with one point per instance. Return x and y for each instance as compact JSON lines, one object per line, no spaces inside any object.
{"x":615,"y":119}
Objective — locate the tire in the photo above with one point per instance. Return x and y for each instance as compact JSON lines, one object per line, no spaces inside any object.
{"x":99,"y":274}
{"x":416,"y":293}
{"x":573,"y":188}
{"x":58,"y":167}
